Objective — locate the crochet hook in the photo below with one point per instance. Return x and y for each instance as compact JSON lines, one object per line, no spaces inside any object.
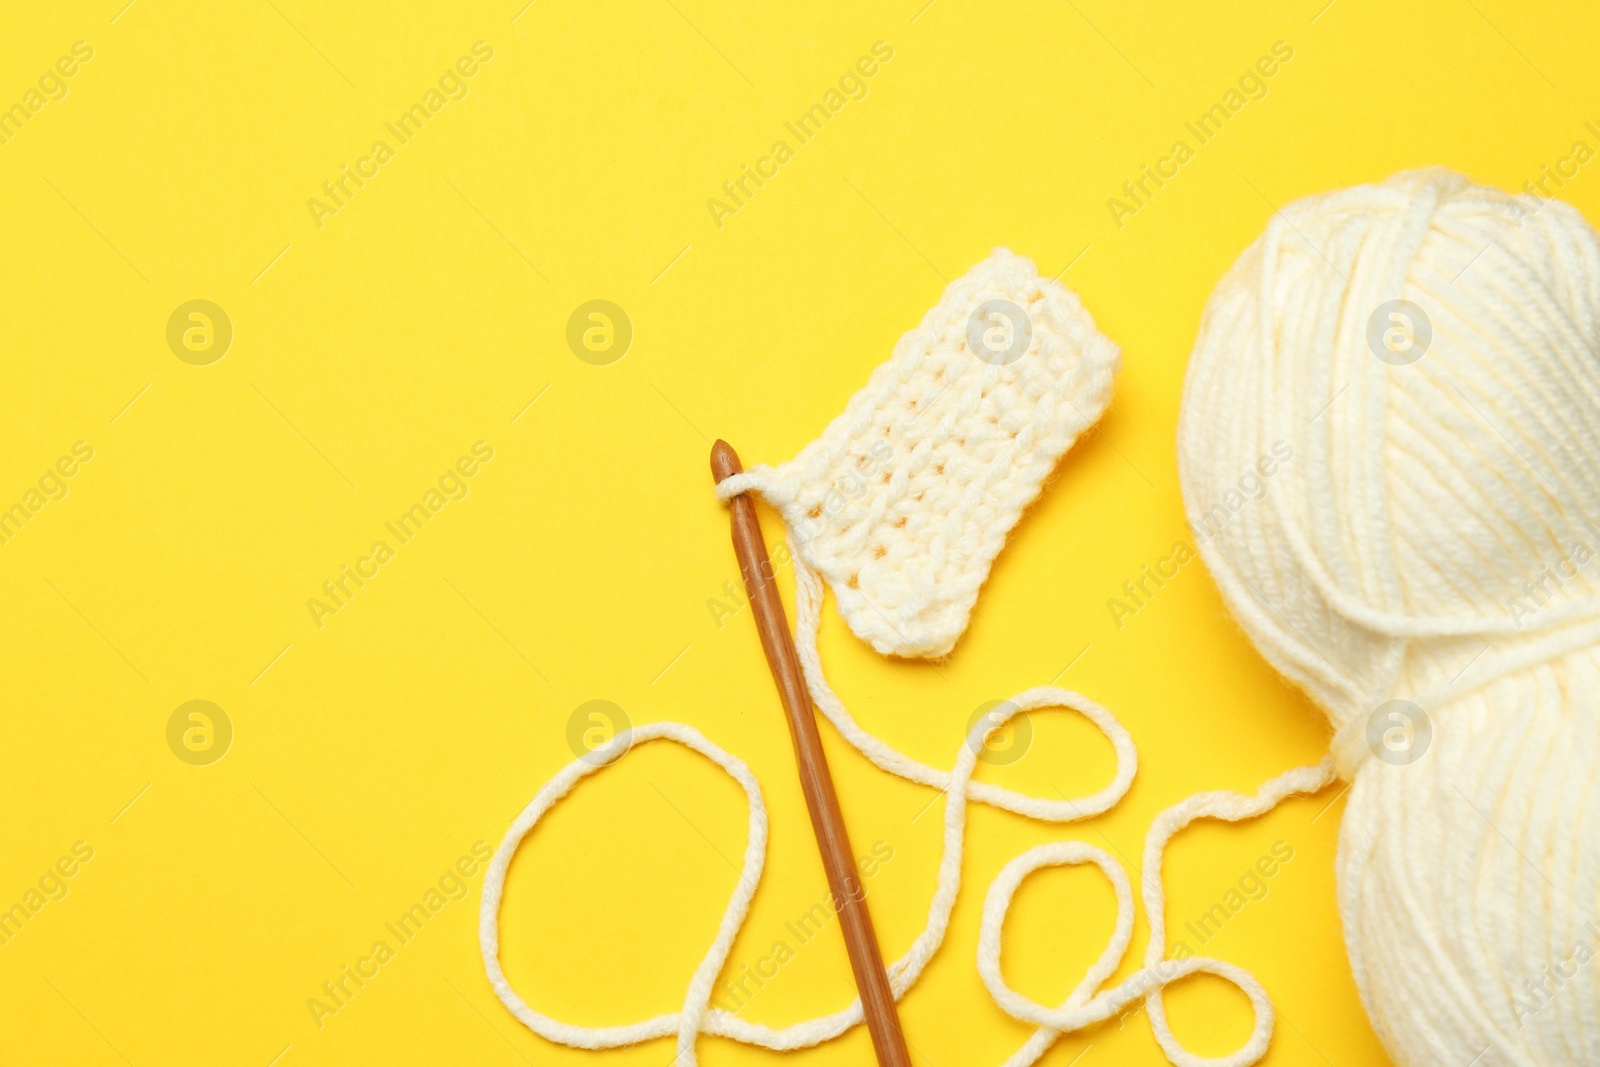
{"x":838,"y":858}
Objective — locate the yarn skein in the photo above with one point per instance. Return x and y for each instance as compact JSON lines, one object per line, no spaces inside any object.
{"x":1425,"y":566}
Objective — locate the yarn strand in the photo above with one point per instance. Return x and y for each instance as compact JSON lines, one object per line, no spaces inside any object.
{"x":1087,"y":1006}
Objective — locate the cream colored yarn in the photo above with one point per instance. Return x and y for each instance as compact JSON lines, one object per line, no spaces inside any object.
{"x":907,"y":497}
{"x":903,"y":504}
{"x":1434,"y":541}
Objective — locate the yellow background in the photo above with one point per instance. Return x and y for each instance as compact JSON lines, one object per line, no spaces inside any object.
{"x":368,"y":354}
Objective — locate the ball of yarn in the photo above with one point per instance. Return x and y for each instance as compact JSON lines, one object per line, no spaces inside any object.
{"x":1390,"y":456}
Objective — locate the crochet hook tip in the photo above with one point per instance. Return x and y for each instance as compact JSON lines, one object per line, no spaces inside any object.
{"x":724,"y":460}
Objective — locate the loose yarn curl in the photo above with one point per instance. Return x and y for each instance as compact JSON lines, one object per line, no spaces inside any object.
{"x":1427,"y":352}
{"x":1087,"y":1005}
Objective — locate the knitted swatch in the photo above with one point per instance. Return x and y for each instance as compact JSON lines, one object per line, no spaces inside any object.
{"x":906,"y":499}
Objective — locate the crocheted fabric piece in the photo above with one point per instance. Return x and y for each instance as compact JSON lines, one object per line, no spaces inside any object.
{"x":906,"y":499}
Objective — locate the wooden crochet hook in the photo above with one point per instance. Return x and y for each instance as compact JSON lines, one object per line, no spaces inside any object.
{"x":838,"y":858}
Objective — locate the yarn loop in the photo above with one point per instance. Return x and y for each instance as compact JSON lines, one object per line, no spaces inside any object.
{"x":1087,"y":1006}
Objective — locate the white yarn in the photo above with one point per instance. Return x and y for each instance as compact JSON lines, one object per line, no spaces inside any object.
{"x":1433,"y":540}
{"x":944,"y":449}
{"x":698,"y":1016}
{"x":1084,"y":1006}
{"x":808,"y":623}
{"x":691,"y":1019}
{"x":907,"y":497}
